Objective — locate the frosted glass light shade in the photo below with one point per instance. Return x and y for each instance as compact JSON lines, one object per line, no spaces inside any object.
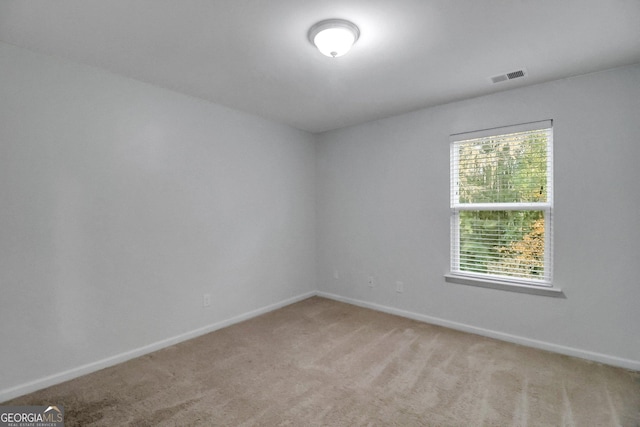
{"x":334,"y":37}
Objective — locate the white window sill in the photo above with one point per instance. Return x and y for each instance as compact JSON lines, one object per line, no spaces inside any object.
{"x":504,"y":285}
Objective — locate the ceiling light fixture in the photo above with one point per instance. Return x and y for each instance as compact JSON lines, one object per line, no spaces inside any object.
{"x":334,"y":37}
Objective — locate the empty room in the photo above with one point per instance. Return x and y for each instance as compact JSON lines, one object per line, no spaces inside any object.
{"x":329,"y":213}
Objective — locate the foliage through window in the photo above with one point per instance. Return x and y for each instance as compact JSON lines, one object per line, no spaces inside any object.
{"x":501,"y":202}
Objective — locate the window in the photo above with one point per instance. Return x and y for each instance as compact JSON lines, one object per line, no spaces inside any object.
{"x":501,"y":206}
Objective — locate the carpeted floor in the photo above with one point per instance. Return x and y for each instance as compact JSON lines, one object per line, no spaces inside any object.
{"x":324,"y":363}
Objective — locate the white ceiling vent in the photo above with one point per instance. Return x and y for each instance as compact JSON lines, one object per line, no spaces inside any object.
{"x":509,"y":76}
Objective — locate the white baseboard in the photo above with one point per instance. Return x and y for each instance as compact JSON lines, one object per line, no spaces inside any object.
{"x":22,"y":389}
{"x":13,"y":392}
{"x":568,"y":351}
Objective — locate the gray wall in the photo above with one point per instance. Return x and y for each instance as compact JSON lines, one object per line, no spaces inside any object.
{"x":383,"y":210}
{"x":121,"y":204}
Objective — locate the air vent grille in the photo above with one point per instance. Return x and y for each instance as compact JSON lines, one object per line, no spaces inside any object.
{"x":509,"y":76}
{"x":515,"y":74}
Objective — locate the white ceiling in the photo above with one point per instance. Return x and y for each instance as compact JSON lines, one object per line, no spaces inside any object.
{"x":253,"y":55}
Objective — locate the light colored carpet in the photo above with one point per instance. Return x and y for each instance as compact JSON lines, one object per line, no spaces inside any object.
{"x":324,"y":363}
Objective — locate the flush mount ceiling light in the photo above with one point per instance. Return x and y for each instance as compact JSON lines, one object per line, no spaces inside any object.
{"x":334,"y":37}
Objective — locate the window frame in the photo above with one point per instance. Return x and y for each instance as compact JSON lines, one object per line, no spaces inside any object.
{"x":495,"y":281}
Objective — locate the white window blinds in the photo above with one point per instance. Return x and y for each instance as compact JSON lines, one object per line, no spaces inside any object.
{"x":501,"y":202}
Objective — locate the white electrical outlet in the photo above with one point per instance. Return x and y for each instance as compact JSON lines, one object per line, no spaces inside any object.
{"x":371,"y":282}
{"x":206,"y":300}
{"x":336,"y":274}
{"x":399,"y":287}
